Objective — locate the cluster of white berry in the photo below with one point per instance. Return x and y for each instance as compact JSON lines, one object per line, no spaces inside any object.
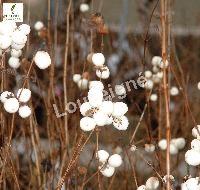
{"x":108,"y":163}
{"x":151,"y":184}
{"x":174,"y":91}
{"x":149,"y":148}
{"x":192,"y":156}
{"x":98,"y":112}
{"x":81,"y":81}
{"x":155,"y":77}
{"x":176,"y":145}
{"x":102,"y":71}
{"x":15,"y":38}
{"x":13,"y":103}
{"x":11,"y":35}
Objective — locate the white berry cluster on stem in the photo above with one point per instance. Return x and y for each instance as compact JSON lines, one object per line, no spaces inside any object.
{"x":176,"y":144}
{"x":108,"y":163}
{"x":81,"y":81}
{"x":192,"y":156}
{"x":13,"y":103}
{"x":155,"y":76}
{"x":102,"y":71}
{"x":13,"y":38}
{"x":99,"y":112}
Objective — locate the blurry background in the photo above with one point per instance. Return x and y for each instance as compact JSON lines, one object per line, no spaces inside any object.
{"x":186,"y":15}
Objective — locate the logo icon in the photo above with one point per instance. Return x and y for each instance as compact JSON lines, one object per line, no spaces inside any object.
{"x":13,"y":11}
{"x":12,"y":8}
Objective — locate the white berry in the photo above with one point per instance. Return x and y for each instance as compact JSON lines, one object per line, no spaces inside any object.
{"x":120,"y":90}
{"x":115,"y":160}
{"x":84,"y":7}
{"x":85,"y":107}
{"x":14,"y":62}
{"x":5,"y":41}
{"x":192,"y":157}
{"x":25,"y":28}
{"x":119,"y":109}
{"x":152,"y":183}
{"x":107,"y":170}
{"x":38,"y":25}
{"x":83,"y":84}
{"x":104,"y":73}
{"x":87,"y":124}
{"x":42,"y":59}
{"x":76,"y":78}
{"x":11,"y":105}
{"x":98,"y":59}
{"x":5,"y":95}
{"x":96,"y":84}
{"x":102,"y":156}
{"x":24,"y":111}
{"x":24,"y":95}
{"x":16,"y":53}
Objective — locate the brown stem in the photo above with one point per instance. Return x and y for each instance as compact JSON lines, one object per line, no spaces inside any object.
{"x":65,"y":70}
{"x":13,"y":116}
{"x":165,"y":41}
{"x":77,"y":151}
